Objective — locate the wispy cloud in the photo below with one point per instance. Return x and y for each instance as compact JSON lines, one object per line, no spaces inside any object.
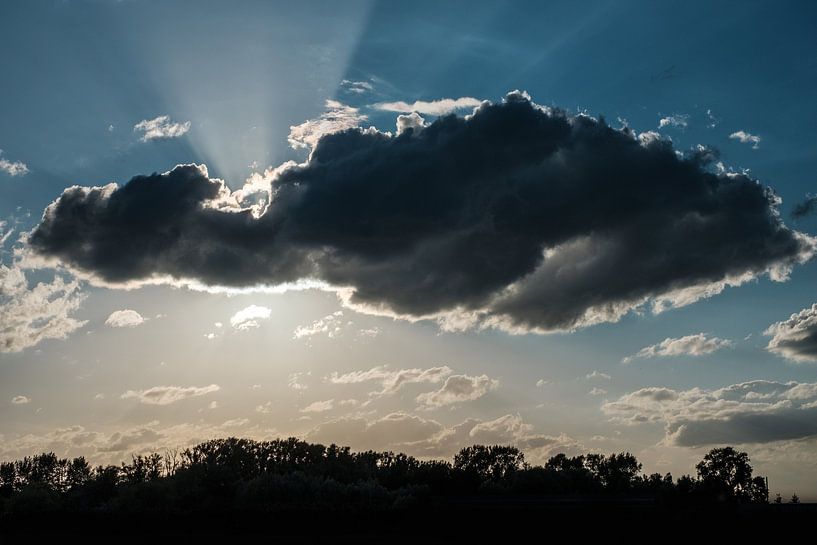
{"x":295,"y":383}
{"x":806,"y":207}
{"x":165,"y":395}
{"x":32,"y":314}
{"x":20,"y":400}
{"x":712,"y":121}
{"x":265,"y":408}
{"x":5,"y":233}
{"x":319,"y":406}
{"x":435,"y":107}
{"x":392,"y":381}
{"x":160,"y":128}
{"x":691,"y":345}
{"x":356,"y":87}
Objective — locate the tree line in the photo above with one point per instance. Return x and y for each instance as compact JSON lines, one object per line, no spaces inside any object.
{"x":243,"y":474}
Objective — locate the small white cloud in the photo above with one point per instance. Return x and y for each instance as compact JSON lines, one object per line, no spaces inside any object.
{"x":413,"y":121}
{"x":124,"y":318}
{"x":160,"y":128}
{"x":370,"y":333}
{"x":457,"y":389}
{"x":20,"y":400}
{"x":337,"y":117}
{"x":319,"y":406}
{"x":435,"y":107}
{"x":165,"y":395}
{"x":746,"y":138}
{"x":213,"y":405}
{"x":542,"y":382}
{"x":796,"y":338}
{"x":13,"y":168}
{"x":595,"y":375}
{"x":597,"y":392}
{"x":331,"y":325}
{"x":210,"y":336}
{"x":247,"y":318}
{"x":651,"y":138}
{"x":691,"y":345}
{"x":679,"y":121}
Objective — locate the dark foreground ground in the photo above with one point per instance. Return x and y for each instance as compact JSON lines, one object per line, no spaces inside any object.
{"x":527,"y":520}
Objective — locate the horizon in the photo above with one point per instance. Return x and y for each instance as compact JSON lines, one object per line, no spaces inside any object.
{"x":411,"y":227}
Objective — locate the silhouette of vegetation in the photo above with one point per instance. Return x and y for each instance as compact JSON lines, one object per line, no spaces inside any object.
{"x":726,"y":473}
{"x":244,"y":475}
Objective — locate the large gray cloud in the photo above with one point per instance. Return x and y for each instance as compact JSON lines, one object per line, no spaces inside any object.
{"x":758,"y":411}
{"x":516,"y":216}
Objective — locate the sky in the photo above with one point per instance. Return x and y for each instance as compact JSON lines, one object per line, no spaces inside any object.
{"x":569,"y":226}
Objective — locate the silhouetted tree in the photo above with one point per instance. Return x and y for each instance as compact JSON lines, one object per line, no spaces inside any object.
{"x":616,"y":473}
{"x":561,"y":462}
{"x":728,"y":474}
{"x":489,"y":462}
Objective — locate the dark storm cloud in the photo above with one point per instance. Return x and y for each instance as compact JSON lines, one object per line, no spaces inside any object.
{"x":516,"y":216}
{"x":748,"y":428}
{"x":805,"y":208}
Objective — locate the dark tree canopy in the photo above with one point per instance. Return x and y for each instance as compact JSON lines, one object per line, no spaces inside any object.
{"x":728,"y":472}
{"x":246,"y":475}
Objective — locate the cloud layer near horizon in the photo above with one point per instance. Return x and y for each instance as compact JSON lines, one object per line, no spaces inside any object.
{"x":758,"y":411}
{"x":517,"y":216}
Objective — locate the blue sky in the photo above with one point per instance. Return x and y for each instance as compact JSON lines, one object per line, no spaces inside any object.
{"x":233,"y":81}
